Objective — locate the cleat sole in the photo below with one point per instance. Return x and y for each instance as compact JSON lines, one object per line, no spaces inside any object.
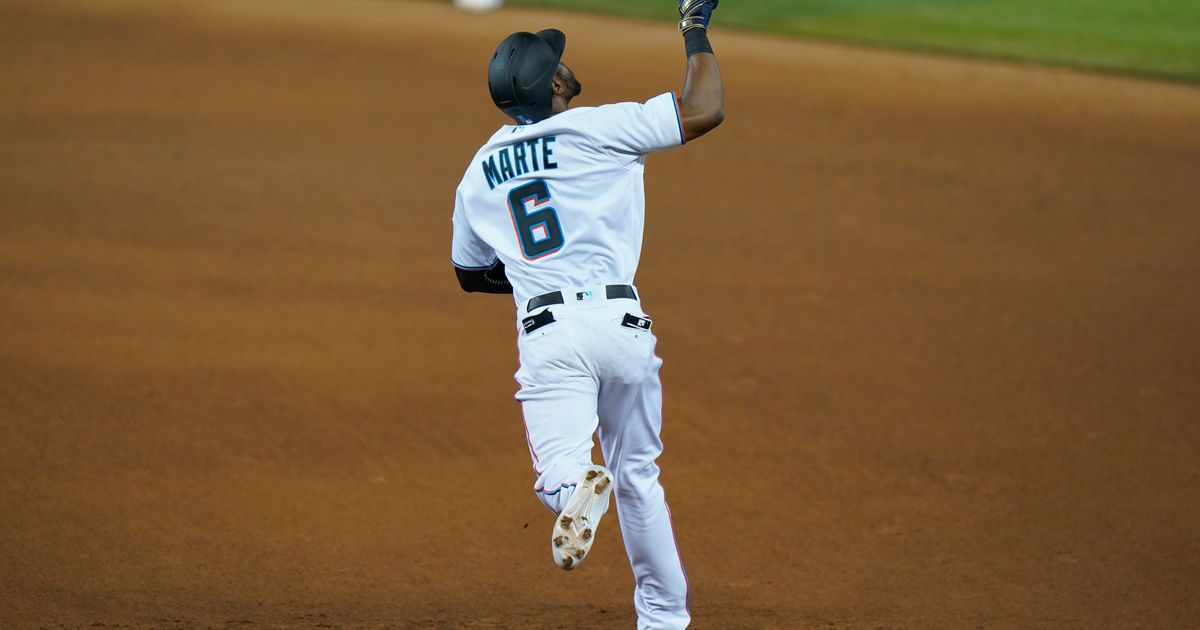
{"x":575,"y":529}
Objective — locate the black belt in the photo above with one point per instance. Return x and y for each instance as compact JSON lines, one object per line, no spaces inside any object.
{"x":611,"y":291}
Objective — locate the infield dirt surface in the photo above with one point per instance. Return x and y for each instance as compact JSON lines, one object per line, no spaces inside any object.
{"x":931,"y":331}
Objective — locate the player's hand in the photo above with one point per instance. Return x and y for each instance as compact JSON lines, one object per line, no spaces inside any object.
{"x":695,"y":14}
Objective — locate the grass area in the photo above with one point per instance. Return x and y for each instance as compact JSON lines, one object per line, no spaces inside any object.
{"x":1149,"y":37}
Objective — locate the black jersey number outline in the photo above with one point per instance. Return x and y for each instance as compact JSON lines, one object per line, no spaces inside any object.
{"x":539,"y":230}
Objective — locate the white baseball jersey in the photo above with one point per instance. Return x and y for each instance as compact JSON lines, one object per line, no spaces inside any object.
{"x":562,"y":202}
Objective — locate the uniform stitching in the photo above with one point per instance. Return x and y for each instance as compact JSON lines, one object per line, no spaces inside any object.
{"x":555,"y":491}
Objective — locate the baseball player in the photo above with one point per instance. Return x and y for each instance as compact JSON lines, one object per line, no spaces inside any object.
{"x":551,"y":210}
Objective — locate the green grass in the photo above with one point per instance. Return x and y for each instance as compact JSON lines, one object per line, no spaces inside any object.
{"x":1149,"y":37}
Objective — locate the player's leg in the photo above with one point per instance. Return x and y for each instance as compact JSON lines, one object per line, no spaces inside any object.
{"x":558,"y":399}
{"x":630,"y":410}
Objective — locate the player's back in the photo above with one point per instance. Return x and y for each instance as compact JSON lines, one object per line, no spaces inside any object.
{"x":561,"y":203}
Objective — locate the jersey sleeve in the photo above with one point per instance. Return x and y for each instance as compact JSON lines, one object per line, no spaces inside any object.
{"x":467,"y":250}
{"x":638,"y":128}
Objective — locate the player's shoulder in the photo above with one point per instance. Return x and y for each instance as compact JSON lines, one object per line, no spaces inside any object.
{"x":657,"y":99}
{"x":626,"y":110}
{"x":606,"y":109}
{"x":470,"y":184}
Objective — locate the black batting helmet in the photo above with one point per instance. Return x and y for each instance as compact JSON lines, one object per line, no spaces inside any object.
{"x":522,"y":71}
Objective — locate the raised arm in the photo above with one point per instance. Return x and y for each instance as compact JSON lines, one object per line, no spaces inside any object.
{"x":701,"y":106}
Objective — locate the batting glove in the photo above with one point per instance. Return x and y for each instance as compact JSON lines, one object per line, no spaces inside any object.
{"x":695,"y":14}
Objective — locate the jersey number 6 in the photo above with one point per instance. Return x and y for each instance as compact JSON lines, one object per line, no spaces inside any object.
{"x":537,"y":227}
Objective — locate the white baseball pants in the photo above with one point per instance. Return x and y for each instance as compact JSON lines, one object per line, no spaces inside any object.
{"x":586,"y":373}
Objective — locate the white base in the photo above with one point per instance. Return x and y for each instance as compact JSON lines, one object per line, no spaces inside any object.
{"x":478,"y":6}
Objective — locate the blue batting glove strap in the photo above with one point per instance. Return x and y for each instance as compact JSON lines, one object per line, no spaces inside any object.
{"x":695,"y":14}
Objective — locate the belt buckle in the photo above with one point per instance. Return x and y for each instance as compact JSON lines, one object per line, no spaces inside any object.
{"x":583,"y":296}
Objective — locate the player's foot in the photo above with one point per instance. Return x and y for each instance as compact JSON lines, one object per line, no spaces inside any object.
{"x":575,"y":528}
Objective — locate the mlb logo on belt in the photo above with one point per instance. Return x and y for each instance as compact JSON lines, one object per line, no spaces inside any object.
{"x":583,"y":296}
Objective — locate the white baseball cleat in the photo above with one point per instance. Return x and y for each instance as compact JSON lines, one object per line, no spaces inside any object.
{"x":575,"y":528}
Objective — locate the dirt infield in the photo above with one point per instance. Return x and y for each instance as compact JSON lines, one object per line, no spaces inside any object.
{"x":931,"y":331}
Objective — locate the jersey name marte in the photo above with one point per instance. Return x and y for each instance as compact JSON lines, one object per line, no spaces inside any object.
{"x":519,"y":159}
{"x":562,"y":202}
